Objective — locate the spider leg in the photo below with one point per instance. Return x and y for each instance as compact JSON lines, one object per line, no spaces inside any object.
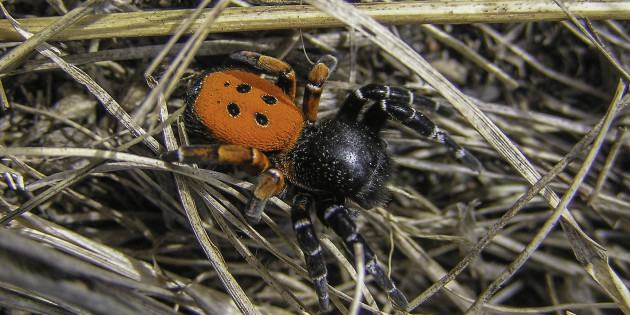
{"x":286,"y":75}
{"x":271,"y":183}
{"x":396,"y":103}
{"x":309,"y":244}
{"x":338,"y":217}
{"x":355,"y":101}
{"x":252,"y":160}
{"x":313,"y":91}
{"x":425,"y":127}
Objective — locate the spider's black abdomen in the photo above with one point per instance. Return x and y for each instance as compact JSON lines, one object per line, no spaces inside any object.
{"x":345,"y":159}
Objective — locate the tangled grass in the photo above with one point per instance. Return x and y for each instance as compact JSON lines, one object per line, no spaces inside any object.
{"x":94,"y":222}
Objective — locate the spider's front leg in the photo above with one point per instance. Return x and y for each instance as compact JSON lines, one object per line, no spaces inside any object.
{"x":397,"y":104}
{"x":309,"y":244}
{"x":253,"y":161}
{"x":332,"y":212}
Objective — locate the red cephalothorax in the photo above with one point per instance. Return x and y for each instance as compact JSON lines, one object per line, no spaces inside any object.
{"x":248,"y":120}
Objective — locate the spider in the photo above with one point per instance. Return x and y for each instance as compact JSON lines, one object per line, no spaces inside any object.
{"x":256,"y":124}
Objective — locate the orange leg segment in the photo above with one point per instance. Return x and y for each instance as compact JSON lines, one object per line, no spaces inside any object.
{"x":271,"y":183}
{"x":286,"y":75}
{"x":313,"y":91}
{"x":252,"y":160}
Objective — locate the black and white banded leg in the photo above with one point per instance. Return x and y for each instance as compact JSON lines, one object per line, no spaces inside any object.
{"x":355,"y":101}
{"x":398,"y":104}
{"x":309,"y":244}
{"x":333,"y":214}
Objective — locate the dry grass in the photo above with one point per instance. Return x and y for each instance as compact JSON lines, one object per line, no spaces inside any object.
{"x":106,"y":227}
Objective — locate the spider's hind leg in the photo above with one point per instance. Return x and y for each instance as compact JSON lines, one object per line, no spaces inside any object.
{"x":338,"y":217}
{"x":314,"y":87}
{"x":255,"y":161}
{"x":271,"y":65}
{"x":398,"y":104}
{"x":251,"y":160}
{"x":270,"y":183}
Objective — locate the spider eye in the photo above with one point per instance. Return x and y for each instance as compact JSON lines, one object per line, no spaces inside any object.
{"x":233,"y":110}
{"x":261,"y":119}
{"x":269,"y":99}
{"x":243,"y":88}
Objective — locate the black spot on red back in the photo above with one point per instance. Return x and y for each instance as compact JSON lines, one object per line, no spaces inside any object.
{"x":243,"y":88}
{"x":269,"y":99}
{"x":261,"y":119}
{"x":234,"y":110}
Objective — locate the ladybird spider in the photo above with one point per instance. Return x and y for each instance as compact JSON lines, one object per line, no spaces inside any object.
{"x":256,"y":124}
